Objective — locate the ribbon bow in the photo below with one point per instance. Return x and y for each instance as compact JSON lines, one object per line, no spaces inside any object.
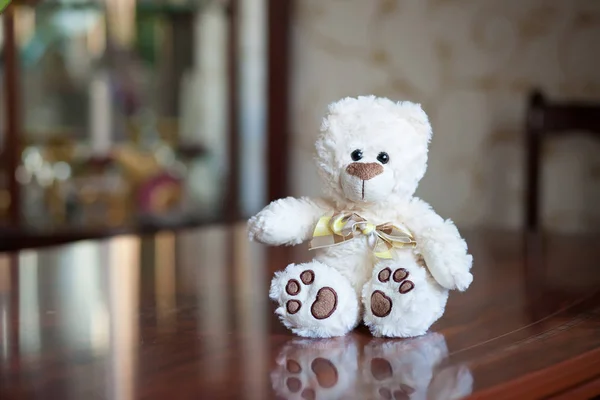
{"x":336,"y":229}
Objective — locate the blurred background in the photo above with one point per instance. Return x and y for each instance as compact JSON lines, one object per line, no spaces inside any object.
{"x":142,"y":114}
{"x":123,"y":114}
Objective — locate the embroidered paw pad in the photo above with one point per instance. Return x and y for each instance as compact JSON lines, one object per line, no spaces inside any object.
{"x":325,"y":302}
{"x":381,"y":305}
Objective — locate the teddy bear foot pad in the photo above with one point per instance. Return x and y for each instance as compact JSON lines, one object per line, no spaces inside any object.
{"x":315,"y":300}
{"x":381,"y":305}
{"x":324,"y":304}
{"x":400,"y":300}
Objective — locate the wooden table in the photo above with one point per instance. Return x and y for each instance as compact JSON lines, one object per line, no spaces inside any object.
{"x":186,"y":316}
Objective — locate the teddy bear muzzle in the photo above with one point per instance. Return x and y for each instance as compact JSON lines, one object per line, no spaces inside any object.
{"x":364,"y":171}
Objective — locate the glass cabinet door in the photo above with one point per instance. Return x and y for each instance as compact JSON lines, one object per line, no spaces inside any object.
{"x":124,"y":111}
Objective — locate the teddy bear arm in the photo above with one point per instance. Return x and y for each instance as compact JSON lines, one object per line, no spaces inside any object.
{"x":443,"y":248}
{"x":446,"y":256}
{"x":288,"y":221}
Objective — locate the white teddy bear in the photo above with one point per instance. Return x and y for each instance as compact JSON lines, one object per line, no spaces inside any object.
{"x":381,"y":254}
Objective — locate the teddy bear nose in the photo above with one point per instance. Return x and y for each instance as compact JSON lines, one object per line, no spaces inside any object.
{"x":364,"y":171}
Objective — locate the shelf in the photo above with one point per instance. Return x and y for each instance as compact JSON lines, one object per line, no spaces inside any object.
{"x":12,"y":239}
{"x":153,"y":7}
{"x":59,"y":6}
{"x":191,"y":151}
{"x":142,"y":7}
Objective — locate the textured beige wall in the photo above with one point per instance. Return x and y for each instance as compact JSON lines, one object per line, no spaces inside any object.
{"x":471,"y":63}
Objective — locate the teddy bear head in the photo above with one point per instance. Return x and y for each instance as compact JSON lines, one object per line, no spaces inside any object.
{"x":372,"y":150}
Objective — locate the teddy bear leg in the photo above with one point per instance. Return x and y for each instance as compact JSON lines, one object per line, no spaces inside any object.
{"x":315,"y":300}
{"x":402,"y":299}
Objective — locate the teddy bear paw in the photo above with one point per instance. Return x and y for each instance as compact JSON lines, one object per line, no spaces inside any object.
{"x":400,"y":301}
{"x":267,"y":229}
{"x":315,"y":300}
{"x":463,"y":281}
{"x":381,"y":305}
{"x":256,"y":228}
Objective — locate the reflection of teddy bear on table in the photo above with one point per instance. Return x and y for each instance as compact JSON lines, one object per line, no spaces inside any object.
{"x":316,"y":369}
{"x":378,"y":248}
{"x":387,"y":369}
{"x":409,"y":369}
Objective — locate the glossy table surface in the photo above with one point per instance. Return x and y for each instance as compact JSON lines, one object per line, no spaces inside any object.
{"x":186,"y":315}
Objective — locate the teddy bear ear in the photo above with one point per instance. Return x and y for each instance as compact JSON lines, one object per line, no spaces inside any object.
{"x":414,"y":113}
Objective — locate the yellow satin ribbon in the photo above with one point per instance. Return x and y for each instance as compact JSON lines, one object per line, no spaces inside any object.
{"x":339,"y":228}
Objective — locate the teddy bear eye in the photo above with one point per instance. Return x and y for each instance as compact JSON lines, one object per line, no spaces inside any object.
{"x":383,"y":158}
{"x":356,"y":155}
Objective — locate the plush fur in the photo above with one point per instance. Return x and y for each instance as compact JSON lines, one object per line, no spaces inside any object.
{"x":372,"y":125}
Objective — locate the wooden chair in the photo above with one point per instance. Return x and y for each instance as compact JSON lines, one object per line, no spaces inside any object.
{"x":544,"y":119}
